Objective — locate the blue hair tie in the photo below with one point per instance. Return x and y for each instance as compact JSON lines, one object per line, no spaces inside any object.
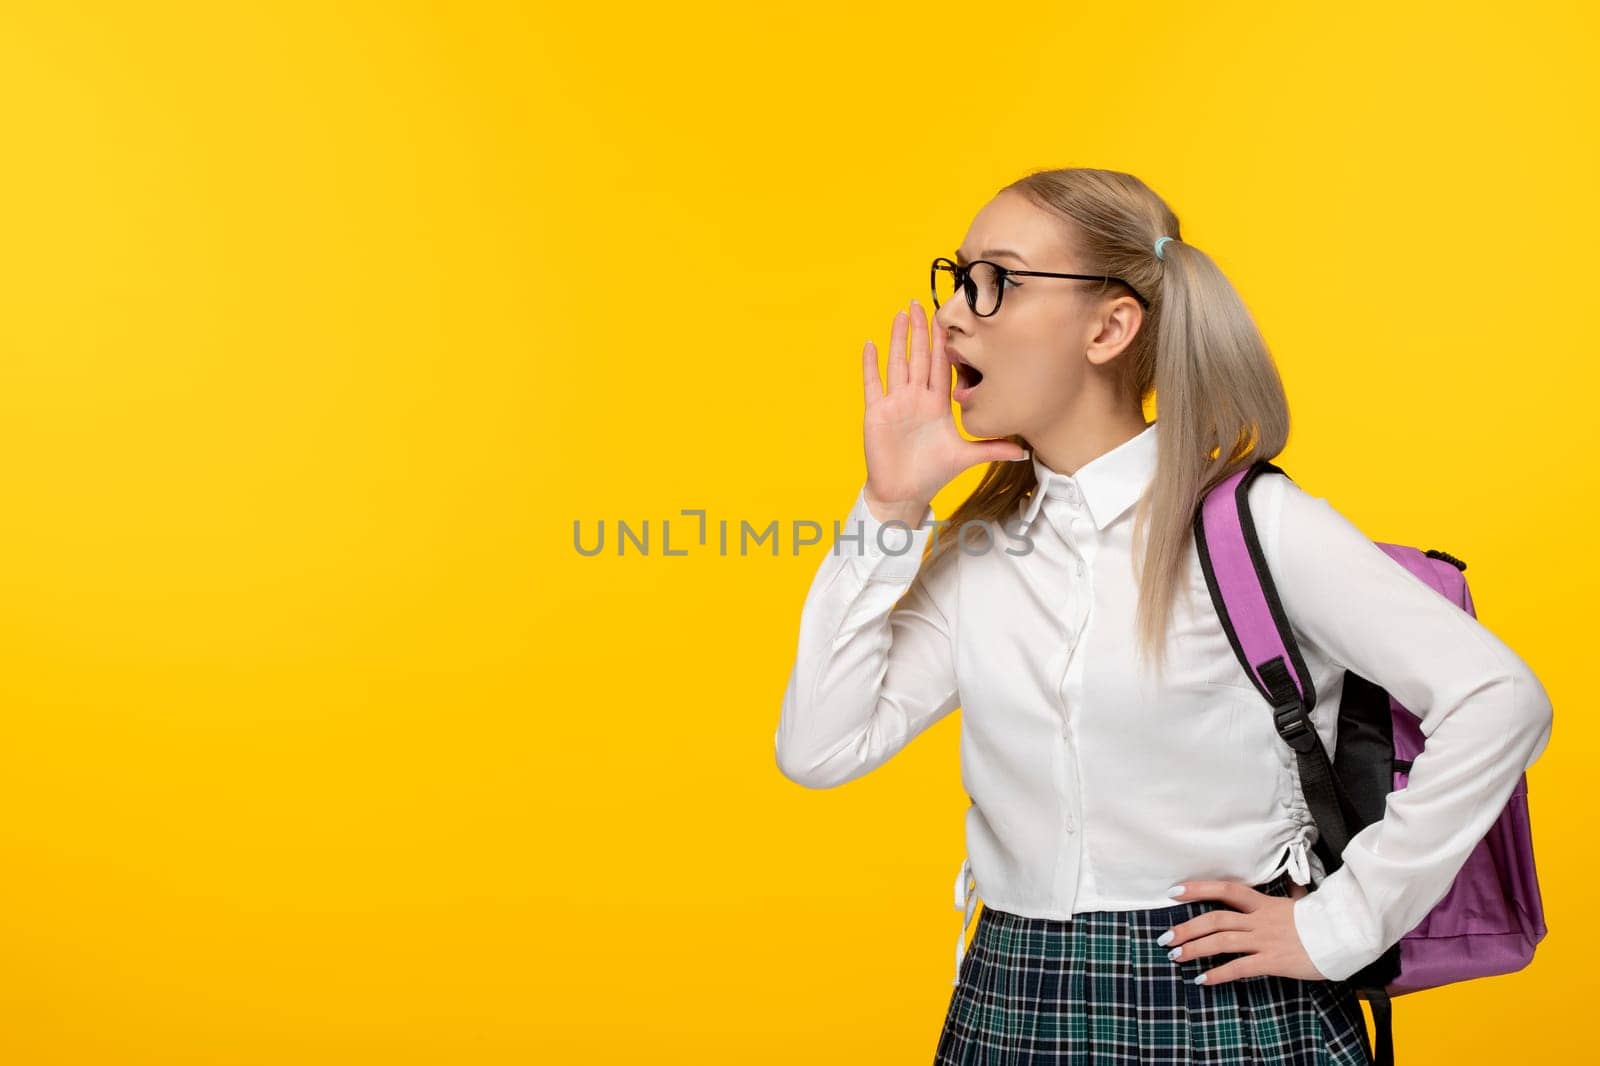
{"x":1159,"y":242}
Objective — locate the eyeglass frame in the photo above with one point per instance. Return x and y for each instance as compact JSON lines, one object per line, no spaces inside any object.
{"x":960,"y":273}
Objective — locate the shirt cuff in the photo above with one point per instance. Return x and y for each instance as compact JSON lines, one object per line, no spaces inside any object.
{"x":884,"y":551}
{"x":1330,"y":938}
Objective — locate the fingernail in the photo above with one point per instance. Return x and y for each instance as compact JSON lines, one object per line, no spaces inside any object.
{"x":1175,"y":890}
{"x":1175,"y":952}
{"x":1200,"y":980}
{"x":1165,"y":938}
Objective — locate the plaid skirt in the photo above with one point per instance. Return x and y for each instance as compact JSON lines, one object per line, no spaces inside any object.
{"x":1098,"y":989}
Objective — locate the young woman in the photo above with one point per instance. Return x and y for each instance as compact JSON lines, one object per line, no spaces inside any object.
{"x":1136,"y":831}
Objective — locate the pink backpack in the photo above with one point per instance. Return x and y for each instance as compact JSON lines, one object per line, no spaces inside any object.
{"x":1492,"y":917}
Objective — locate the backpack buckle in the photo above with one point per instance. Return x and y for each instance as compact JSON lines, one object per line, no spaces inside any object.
{"x":1288,"y":707}
{"x":1294,"y":725}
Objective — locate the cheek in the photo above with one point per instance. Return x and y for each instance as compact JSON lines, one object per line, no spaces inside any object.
{"x":1042,"y":372}
{"x":1039,"y":351}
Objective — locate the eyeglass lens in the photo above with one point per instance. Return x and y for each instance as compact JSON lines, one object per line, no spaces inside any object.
{"x":982,"y":278}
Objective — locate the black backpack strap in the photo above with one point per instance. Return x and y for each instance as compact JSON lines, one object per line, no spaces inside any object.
{"x":1246,"y":600}
{"x":1382,"y":1026}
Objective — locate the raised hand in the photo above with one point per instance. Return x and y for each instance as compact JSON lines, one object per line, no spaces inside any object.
{"x":913,"y":446}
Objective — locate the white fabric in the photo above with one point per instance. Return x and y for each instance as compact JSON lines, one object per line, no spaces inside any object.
{"x":1095,"y":787}
{"x":967,"y":903}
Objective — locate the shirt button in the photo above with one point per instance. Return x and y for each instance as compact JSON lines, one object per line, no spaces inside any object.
{"x":1080,"y":569}
{"x":1072,"y":825}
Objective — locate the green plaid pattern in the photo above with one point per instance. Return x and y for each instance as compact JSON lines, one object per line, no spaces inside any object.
{"x":1098,"y":989}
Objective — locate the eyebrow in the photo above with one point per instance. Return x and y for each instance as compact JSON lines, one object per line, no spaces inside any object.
{"x":988,"y":253}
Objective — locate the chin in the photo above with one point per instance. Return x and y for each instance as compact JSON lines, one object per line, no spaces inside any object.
{"x":980,"y":423}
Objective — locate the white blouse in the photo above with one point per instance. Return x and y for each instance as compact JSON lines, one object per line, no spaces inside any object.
{"x":1092,"y":786}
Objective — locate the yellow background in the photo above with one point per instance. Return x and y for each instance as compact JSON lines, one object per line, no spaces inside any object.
{"x":324,"y":322}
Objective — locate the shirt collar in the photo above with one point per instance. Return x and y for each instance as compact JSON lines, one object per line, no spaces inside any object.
{"x":1106,"y":485}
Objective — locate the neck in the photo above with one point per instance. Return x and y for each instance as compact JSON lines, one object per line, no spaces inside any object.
{"x":1069,"y":444}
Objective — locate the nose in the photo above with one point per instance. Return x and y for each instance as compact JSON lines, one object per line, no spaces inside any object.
{"x":945,"y":316}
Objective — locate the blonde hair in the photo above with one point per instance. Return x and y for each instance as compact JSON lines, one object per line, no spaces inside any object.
{"x":1198,"y":354}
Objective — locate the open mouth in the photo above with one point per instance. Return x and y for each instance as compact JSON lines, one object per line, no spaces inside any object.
{"x":967,"y":375}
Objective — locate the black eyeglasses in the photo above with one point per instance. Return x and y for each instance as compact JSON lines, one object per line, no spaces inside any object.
{"x":985,"y":283}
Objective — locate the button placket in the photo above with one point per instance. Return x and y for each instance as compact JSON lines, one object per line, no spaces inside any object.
{"x":1070,"y":688}
{"x":1080,"y":526}
{"x":1077,"y":537}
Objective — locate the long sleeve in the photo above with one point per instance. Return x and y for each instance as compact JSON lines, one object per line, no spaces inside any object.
{"x":874,"y":666}
{"x":1484,"y":715}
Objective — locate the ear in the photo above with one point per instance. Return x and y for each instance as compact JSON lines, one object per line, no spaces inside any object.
{"x":1120,"y":321}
